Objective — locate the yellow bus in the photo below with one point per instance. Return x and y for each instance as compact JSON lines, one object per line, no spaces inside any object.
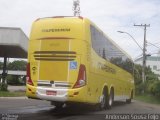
{"x":70,"y":60}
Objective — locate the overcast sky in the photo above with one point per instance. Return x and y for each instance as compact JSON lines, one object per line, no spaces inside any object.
{"x":108,"y":15}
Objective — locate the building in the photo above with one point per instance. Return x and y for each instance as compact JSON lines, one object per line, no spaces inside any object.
{"x":13,"y":44}
{"x":153,"y":62}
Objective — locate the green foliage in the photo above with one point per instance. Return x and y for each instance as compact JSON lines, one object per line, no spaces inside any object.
{"x":17,"y":65}
{"x":154,"y":88}
{"x":3,"y":87}
{"x":151,"y":85}
{"x":1,"y":65}
{"x":13,"y":80}
{"x":11,"y":94}
{"x":148,"y":98}
{"x":138,"y":79}
{"x":125,"y":64}
{"x":138,"y":74}
{"x":150,"y":75}
{"x":139,"y":88}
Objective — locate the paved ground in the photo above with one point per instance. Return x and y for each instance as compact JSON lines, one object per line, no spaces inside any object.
{"x":16,"y":88}
{"x":27,"y":109}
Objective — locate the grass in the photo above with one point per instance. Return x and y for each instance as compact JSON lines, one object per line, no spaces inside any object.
{"x":11,"y":94}
{"x":148,"y":99}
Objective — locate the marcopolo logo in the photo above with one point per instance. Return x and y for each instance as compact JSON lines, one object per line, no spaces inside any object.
{"x":56,"y":30}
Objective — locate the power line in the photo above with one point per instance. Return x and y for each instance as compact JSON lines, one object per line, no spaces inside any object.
{"x":154,"y":51}
{"x":153,"y":45}
{"x":157,"y":43}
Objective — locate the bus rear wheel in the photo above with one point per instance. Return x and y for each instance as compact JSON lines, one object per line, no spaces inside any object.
{"x":110,"y":100}
{"x":58,"y":105}
{"x":130,"y":99}
{"x":103,"y":100}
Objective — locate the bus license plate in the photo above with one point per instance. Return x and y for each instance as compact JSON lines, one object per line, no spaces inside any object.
{"x":51,"y":92}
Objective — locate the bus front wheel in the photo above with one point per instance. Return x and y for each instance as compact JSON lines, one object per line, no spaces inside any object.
{"x":130,"y":99}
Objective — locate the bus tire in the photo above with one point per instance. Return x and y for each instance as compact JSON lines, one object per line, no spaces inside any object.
{"x":103,"y":101}
{"x":110,"y":99}
{"x":58,"y":105}
{"x":130,"y":99}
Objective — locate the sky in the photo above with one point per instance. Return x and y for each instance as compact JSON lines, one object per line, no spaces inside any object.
{"x":109,"y":15}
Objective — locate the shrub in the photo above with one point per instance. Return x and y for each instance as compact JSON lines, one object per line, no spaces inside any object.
{"x":3,"y":87}
{"x":13,"y":80}
{"x":154,"y":88}
{"x":140,"y":88}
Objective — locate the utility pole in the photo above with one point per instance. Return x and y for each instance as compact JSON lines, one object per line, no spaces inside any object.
{"x":144,"y":51}
{"x":3,"y":81}
{"x":76,"y":8}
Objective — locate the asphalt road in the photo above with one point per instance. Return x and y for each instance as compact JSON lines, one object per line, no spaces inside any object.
{"x":27,"y":109}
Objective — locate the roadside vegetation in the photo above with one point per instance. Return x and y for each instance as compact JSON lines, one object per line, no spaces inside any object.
{"x":148,"y":98}
{"x":12,"y":94}
{"x":15,"y":65}
{"x":150,"y":90}
{"x":15,"y":80}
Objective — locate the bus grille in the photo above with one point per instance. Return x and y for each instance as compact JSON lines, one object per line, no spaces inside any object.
{"x":55,"y":55}
{"x":53,"y":84}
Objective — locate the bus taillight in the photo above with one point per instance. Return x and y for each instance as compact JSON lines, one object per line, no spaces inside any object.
{"x":28,"y":77}
{"x":81,"y":80}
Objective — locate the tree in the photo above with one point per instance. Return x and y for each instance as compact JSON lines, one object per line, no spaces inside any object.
{"x":138,"y":79}
{"x":154,"y":88}
{"x":13,"y":80}
{"x":126,"y":64}
{"x":137,"y":74}
{"x":104,"y":53}
{"x":1,"y":65}
{"x":150,"y":75}
{"x":150,"y":79}
{"x":17,"y":65}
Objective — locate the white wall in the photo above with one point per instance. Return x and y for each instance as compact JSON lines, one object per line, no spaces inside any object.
{"x":151,"y":64}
